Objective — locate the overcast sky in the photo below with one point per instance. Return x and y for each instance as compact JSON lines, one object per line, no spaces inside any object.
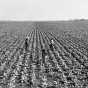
{"x":43,"y":9}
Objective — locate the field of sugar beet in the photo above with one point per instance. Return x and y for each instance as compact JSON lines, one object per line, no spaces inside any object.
{"x":51,"y":57}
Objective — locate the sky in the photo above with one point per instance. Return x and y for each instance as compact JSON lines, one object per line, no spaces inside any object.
{"x":34,"y":10}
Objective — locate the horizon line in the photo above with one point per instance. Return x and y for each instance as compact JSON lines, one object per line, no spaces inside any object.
{"x":82,"y":19}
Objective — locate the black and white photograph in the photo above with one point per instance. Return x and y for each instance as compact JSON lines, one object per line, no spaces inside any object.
{"x":43,"y":43}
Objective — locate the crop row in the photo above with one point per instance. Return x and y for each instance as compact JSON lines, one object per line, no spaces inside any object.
{"x":42,"y":60}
